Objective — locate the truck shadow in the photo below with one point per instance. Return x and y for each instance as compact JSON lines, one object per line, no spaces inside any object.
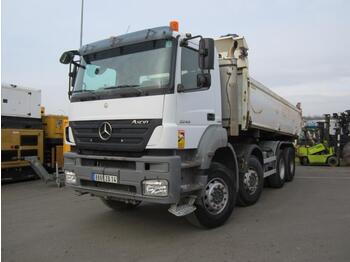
{"x":156,"y":220}
{"x":147,"y":219}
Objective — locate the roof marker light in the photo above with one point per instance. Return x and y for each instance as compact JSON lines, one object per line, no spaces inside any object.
{"x":174,"y":25}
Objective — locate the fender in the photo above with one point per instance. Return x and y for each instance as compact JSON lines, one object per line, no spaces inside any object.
{"x":213,"y":138}
{"x":214,"y":141}
{"x":244,"y":151}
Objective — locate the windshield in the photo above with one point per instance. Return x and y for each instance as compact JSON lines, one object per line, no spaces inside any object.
{"x":133,"y":70}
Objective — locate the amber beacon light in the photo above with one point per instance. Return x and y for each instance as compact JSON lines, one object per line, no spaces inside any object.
{"x":174,"y":25}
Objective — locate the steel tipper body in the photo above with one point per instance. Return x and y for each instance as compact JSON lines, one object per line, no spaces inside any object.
{"x":161,"y":117}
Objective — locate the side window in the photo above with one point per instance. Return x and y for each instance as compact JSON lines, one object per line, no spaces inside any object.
{"x":189,"y":68}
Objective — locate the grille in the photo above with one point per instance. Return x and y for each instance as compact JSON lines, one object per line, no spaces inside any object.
{"x":27,"y":140}
{"x":125,"y":136}
{"x":117,"y":187}
{"x":109,"y":163}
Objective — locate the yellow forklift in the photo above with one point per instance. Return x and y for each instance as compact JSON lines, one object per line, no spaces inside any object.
{"x":318,"y":146}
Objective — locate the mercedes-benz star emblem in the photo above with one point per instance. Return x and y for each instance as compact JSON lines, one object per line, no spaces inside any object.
{"x":105,"y":131}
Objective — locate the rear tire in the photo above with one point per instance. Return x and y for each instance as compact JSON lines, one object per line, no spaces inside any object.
{"x":119,"y":205}
{"x":289,"y":154}
{"x":251,"y":183}
{"x":277,"y":180}
{"x":218,"y":198}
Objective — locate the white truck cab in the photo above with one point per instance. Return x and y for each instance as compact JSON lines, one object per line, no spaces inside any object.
{"x":162,"y":117}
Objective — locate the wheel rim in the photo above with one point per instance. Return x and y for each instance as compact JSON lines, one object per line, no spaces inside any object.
{"x":251,"y":181}
{"x":282,"y":170}
{"x":216,"y":196}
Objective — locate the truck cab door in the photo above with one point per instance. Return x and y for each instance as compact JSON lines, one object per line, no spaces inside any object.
{"x":197,"y":108}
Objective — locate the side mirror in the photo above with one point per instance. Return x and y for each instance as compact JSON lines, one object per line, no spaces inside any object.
{"x":68,"y":56}
{"x":206,"y":54}
{"x":203,"y":80}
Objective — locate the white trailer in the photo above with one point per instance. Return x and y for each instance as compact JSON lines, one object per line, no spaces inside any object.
{"x":163,"y":117}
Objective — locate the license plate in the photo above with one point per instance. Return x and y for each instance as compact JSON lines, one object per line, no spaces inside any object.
{"x":105,"y":178}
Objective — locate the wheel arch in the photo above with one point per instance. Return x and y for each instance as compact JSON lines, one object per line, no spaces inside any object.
{"x":227,"y":156}
{"x":244,"y":151}
{"x":213,"y":138}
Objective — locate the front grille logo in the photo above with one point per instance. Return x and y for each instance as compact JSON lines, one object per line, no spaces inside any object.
{"x":105,"y":131}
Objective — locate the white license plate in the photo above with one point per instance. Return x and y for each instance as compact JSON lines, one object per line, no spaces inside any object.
{"x":105,"y":178}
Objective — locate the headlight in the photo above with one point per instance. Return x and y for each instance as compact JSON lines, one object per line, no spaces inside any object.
{"x":71,"y":177}
{"x":155,"y":188}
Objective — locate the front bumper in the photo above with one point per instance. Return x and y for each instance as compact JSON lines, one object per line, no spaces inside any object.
{"x":131,"y":173}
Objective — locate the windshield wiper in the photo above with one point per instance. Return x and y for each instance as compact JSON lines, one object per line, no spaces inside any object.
{"x":81,"y":91}
{"x":89,"y":92}
{"x":120,"y":86}
{"x":133,"y":87}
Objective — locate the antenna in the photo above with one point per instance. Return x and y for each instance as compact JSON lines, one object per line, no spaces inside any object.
{"x":127,"y":29}
{"x":81,"y":22}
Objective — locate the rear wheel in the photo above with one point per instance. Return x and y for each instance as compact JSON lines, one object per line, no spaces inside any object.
{"x":218,"y":198}
{"x":251,"y":183}
{"x":120,"y":205}
{"x":277,"y":180}
{"x":289,"y":154}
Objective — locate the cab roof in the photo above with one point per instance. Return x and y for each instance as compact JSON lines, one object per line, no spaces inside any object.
{"x":164,"y":32}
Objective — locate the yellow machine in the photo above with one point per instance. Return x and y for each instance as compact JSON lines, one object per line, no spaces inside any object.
{"x":66,"y":147}
{"x":54,"y":131}
{"x":26,"y":132}
{"x":17,"y":144}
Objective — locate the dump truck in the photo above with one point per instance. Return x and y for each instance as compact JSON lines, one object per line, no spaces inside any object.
{"x":168,"y":118}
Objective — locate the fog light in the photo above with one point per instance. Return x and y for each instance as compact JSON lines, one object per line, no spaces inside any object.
{"x":155,"y":188}
{"x":71,"y":177}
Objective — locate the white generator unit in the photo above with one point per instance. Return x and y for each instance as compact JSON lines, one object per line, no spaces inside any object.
{"x":19,"y":101}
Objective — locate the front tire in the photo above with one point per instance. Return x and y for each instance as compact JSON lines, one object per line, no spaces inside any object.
{"x":119,"y":205}
{"x":251,"y":183}
{"x":218,"y":198}
{"x":333,"y":161}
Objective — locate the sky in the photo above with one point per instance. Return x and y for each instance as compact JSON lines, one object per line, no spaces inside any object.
{"x":300,"y":49}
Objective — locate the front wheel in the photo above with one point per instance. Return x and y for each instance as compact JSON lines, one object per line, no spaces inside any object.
{"x":333,"y":161}
{"x":218,"y":198}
